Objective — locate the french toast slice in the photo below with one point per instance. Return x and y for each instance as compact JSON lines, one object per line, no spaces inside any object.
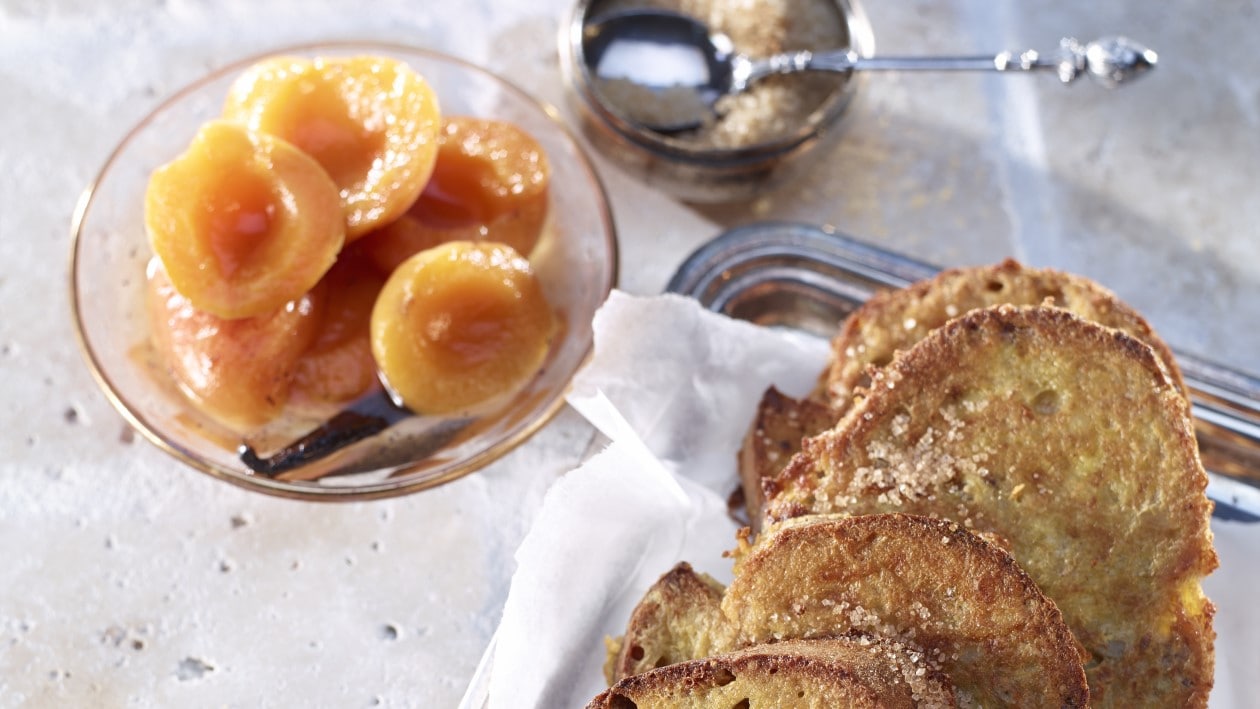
{"x":894,"y":320}
{"x":678,"y":619}
{"x":1071,"y":442}
{"x":855,"y":672}
{"x":923,"y":581}
{"x":780,"y":424}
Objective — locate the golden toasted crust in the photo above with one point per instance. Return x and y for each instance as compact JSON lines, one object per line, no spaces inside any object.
{"x":894,"y":320}
{"x":966,"y":603}
{"x":679,"y":618}
{"x":778,"y":428}
{"x":1073,"y":443}
{"x":822,"y":674}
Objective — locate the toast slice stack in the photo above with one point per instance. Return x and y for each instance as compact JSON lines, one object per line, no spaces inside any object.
{"x":1072,"y":444}
{"x":894,"y":320}
{"x":1012,"y":490}
{"x":959,"y":601}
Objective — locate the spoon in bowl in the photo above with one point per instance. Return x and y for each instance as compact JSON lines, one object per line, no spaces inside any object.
{"x":667,"y":71}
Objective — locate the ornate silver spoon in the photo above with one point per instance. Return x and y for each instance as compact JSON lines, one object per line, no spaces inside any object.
{"x":675,"y":53}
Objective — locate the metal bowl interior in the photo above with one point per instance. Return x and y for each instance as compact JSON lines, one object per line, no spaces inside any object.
{"x":576,"y":261}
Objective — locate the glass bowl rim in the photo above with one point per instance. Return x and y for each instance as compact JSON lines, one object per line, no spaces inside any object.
{"x":398,"y":484}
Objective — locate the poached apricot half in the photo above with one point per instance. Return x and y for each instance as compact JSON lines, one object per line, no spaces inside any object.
{"x":371,"y":122}
{"x":243,"y":222}
{"x":459,"y":325}
{"x":238,"y":371}
{"x":338,"y":366}
{"x":490,"y":183}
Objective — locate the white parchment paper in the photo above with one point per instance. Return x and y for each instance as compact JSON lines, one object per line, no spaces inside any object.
{"x":674,"y":387}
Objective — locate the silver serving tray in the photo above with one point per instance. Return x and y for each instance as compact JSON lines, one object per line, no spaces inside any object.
{"x":810,"y":278}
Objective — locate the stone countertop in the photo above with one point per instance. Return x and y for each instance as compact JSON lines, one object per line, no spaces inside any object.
{"x":129,"y":580}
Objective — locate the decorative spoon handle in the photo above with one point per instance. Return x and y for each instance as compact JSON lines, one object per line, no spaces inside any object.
{"x":1110,"y":60}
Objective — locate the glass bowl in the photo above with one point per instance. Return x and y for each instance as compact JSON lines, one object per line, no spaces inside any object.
{"x":576,"y":261}
{"x":696,"y":171}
